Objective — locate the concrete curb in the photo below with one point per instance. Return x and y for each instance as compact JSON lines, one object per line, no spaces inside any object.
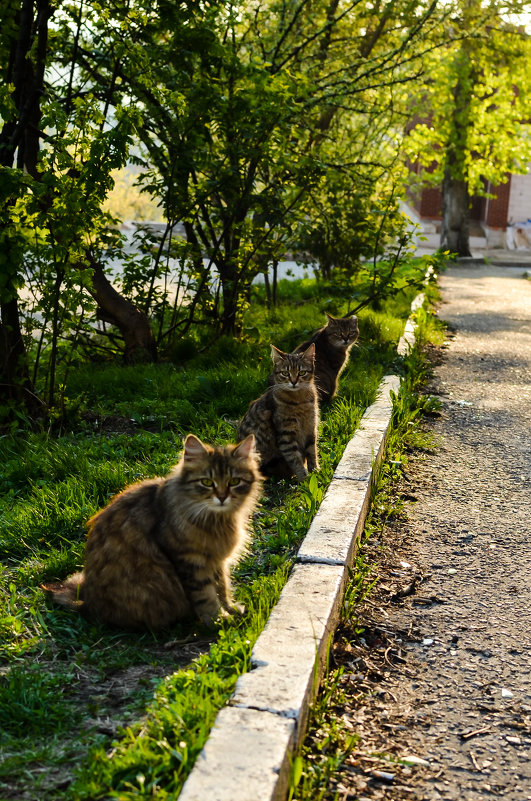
{"x":247,"y":756}
{"x":407,"y":340}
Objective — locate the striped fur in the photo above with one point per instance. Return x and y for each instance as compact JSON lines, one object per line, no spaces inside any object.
{"x":161,"y":550}
{"x":332,"y":345}
{"x":285,"y":418}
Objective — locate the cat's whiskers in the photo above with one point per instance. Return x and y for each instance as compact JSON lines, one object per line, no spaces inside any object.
{"x":222,"y":503}
{"x":201,"y":513}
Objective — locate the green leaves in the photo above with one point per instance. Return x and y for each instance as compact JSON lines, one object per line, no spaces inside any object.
{"x":478,"y":97}
{"x":261,"y":130}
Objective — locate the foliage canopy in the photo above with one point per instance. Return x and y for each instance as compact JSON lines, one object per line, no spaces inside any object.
{"x":259,"y":129}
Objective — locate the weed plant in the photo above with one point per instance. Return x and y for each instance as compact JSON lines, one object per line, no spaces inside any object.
{"x":89,"y":712}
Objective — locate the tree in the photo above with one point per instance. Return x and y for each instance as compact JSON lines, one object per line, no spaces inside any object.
{"x":239,"y":101}
{"x":249,"y":119}
{"x":479,"y":101}
{"x":58,"y":148}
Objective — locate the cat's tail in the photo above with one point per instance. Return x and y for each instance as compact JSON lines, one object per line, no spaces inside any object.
{"x":67,"y":592}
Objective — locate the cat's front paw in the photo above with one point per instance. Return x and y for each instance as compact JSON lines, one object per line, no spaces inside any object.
{"x":208,"y":620}
{"x":224,"y":613}
{"x":209,"y":614}
{"x":236,"y":609}
{"x":301,"y":475}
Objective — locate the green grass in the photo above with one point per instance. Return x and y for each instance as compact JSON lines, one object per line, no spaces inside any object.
{"x":59,"y":673}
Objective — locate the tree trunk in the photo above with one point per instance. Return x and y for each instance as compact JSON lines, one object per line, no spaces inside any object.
{"x":15,"y":382}
{"x":455,"y":229}
{"x":132,"y":323}
{"x":29,"y":24}
{"x":231,"y":289}
{"x":229,"y":314}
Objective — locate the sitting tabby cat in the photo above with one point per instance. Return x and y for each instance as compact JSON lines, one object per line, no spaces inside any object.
{"x":332,"y":345}
{"x":161,"y":549}
{"x":284,"y":419}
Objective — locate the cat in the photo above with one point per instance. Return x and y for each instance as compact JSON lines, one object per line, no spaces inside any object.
{"x":161,"y":550}
{"x":332,"y":345}
{"x":285,"y":418}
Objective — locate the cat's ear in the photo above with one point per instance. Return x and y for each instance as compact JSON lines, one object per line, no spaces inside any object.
{"x":309,"y":353}
{"x":245,"y":448}
{"x":193,"y":448}
{"x":333,"y":322}
{"x":277,"y":355}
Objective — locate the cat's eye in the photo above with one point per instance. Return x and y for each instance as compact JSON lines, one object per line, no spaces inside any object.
{"x":303,"y":372}
{"x":207,"y":482}
{"x":284,"y":373}
{"x":234,"y":482}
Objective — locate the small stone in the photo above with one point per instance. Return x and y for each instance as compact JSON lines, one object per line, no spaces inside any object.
{"x":452,"y":571}
{"x":411,"y":759}
{"x":383,"y":776}
{"x":506,"y":693}
{"x":513,"y":740}
{"x":427,"y":641}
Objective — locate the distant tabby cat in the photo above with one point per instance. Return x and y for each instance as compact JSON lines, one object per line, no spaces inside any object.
{"x":160,"y":551}
{"x":284,"y":419}
{"x":332,"y":345}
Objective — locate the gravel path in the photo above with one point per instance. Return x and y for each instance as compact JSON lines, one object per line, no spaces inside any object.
{"x":442,"y":671}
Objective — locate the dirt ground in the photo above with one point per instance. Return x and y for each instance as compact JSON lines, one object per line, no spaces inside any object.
{"x":442,"y":672}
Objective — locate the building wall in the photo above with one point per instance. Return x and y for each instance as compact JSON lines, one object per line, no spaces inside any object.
{"x":491,"y":216}
{"x":497,"y":208}
{"x":430,"y":203}
{"x":520,"y":202}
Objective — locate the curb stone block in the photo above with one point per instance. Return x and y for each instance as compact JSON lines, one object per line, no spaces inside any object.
{"x":407,"y":340}
{"x":335,"y":530}
{"x":246,"y":758}
{"x":296,"y":636}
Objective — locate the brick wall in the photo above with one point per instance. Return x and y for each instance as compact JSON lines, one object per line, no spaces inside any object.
{"x":493,"y":212}
{"x":430,"y":203}
{"x":512,"y":203}
{"x":497,"y":209}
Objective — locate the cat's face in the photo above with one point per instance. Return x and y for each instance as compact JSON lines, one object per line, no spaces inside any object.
{"x":342,"y":331}
{"x":293,"y":370}
{"x":220,"y":479}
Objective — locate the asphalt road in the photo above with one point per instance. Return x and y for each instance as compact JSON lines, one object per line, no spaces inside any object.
{"x":442,"y":672}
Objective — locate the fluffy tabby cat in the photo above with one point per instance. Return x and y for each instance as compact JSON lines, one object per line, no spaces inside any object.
{"x":332,"y":345}
{"x":284,"y":419}
{"x":161,"y":550}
